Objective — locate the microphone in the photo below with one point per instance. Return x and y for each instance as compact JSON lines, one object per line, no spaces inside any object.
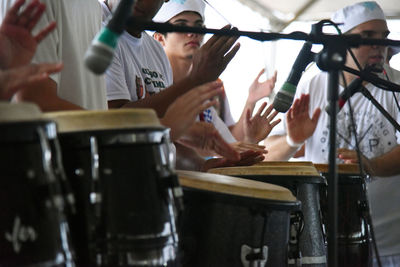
{"x":101,"y":52}
{"x":348,"y":92}
{"x":284,"y":98}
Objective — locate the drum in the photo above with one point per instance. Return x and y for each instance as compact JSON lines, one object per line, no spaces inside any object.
{"x":354,"y":246}
{"x":118,"y":164}
{"x":230,"y":221}
{"x":33,"y":228}
{"x":308,"y":243}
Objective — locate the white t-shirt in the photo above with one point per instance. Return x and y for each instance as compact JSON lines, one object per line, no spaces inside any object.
{"x":376,"y":136}
{"x":139,"y":68}
{"x":78,"y":22}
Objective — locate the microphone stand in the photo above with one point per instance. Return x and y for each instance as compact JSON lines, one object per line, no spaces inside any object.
{"x":332,"y":59}
{"x":369,"y":96}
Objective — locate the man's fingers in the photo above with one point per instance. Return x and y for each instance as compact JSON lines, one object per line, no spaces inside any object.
{"x":315,"y":116}
{"x":12,"y":14}
{"x":26,"y":15}
{"x":36,"y":17}
{"x":261,"y":109}
{"x":228,"y":57}
{"x":272,"y":116}
{"x":43,"y":33}
{"x":259,"y":74}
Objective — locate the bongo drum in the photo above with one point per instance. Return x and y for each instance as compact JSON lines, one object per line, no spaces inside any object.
{"x":304,"y":181}
{"x":118,"y":164}
{"x":33,"y":227}
{"x":230,"y":221}
{"x":354,"y":246}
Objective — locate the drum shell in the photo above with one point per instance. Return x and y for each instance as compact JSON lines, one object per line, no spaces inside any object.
{"x":354,"y":245}
{"x":31,"y":202}
{"x":215,"y":226}
{"x":135,"y":211}
{"x":306,"y":188}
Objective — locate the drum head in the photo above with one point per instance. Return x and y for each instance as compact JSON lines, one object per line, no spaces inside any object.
{"x":16,"y":112}
{"x":342,"y":168}
{"x":234,"y":186}
{"x":83,"y":121}
{"x":276,"y":172}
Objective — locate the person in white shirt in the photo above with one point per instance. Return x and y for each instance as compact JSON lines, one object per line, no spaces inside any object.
{"x":180,"y":48}
{"x":378,"y":139}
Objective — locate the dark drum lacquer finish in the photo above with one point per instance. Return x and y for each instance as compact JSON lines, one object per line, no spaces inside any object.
{"x":122,"y":181}
{"x":33,"y":228}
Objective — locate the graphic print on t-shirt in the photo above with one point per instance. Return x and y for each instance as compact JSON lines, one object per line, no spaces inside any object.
{"x":139,"y":87}
{"x":374,"y":133}
{"x":153,"y":81}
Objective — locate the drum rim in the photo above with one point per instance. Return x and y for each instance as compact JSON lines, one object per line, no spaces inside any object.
{"x":225,"y":183}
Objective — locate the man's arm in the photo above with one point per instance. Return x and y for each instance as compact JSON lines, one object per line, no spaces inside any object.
{"x":387,"y":164}
{"x":208,"y":63}
{"x":44,"y":94}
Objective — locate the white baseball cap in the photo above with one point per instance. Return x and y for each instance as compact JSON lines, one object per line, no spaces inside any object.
{"x":354,"y":15}
{"x":175,"y":7}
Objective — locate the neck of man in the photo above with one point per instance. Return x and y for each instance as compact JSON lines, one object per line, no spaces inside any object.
{"x":180,"y":66}
{"x":134,"y":32}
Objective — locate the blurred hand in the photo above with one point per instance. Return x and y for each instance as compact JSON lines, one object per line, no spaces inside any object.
{"x":182,"y":113}
{"x":259,"y":90}
{"x":212,"y":58}
{"x":17,"y":78}
{"x":350,"y":157}
{"x":205,"y":137}
{"x":244,"y":147}
{"x":259,"y":126}
{"x":17,"y":43}
{"x":247,"y":158}
{"x":299,"y":124}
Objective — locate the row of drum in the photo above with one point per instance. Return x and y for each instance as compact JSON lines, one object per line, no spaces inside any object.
{"x":98,"y":188}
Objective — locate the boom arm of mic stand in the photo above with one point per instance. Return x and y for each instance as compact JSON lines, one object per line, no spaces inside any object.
{"x":351,"y":40}
{"x":369,"y":96}
{"x":375,"y":80}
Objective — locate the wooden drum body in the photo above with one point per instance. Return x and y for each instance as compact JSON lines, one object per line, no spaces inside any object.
{"x":230,"y":221}
{"x":118,"y":165}
{"x":304,"y":181}
{"x":33,"y":227}
{"x":354,"y":246}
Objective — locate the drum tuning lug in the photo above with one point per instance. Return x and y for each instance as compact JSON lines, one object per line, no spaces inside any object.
{"x":30,"y":174}
{"x":107,"y":171}
{"x":79,"y":172}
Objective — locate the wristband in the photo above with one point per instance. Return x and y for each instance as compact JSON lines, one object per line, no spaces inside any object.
{"x":291,"y":143}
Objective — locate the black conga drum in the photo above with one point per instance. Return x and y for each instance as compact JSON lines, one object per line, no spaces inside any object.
{"x":229,"y":221}
{"x":354,"y":240}
{"x":308,"y":244}
{"x":118,"y":164}
{"x":33,"y":227}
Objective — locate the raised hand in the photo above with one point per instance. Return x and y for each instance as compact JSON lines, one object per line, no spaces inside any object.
{"x":259,"y":90}
{"x":17,"y":43}
{"x":259,"y":126}
{"x":182,"y":113}
{"x":212,"y":58}
{"x":299,"y":124}
{"x":17,"y":78}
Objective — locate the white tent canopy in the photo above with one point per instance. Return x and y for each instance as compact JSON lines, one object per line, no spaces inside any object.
{"x":281,"y":13}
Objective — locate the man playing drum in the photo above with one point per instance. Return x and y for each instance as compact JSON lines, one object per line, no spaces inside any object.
{"x":379,"y":143}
